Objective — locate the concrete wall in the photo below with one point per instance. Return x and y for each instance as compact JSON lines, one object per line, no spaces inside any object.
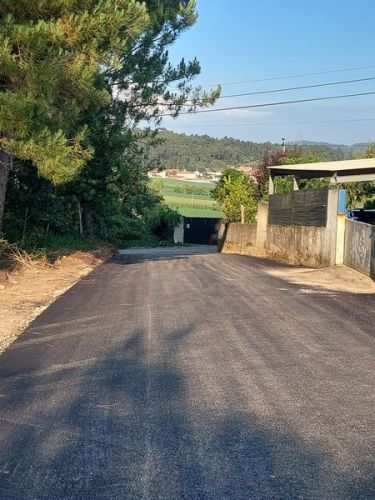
{"x":178,"y":235}
{"x":359,"y":250}
{"x":238,"y":238}
{"x":306,"y":245}
{"x":303,"y":245}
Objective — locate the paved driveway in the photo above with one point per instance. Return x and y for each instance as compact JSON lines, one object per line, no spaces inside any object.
{"x":191,"y":376}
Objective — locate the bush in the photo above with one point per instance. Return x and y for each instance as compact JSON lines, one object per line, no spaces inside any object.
{"x":161,"y":222}
{"x":148,"y":230}
{"x":369,"y":204}
{"x":53,"y":241}
{"x":235,"y":189}
{"x":122,"y":229}
{"x":5,"y":249}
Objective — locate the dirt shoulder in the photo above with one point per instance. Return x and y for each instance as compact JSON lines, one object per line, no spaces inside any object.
{"x":25,"y":293}
{"x":339,"y":278}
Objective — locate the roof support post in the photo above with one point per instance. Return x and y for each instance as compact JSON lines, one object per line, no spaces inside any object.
{"x":271,"y":187}
{"x":334,"y":178}
{"x":295,"y":184}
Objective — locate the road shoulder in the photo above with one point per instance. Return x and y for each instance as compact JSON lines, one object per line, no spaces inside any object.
{"x":26,"y":293}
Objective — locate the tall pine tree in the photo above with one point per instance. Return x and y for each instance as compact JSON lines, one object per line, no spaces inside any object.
{"x":141,"y":91}
{"x":52,"y":54}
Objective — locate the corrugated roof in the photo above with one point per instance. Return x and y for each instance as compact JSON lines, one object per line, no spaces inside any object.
{"x":329,"y":166}
{"x":346,"y":170}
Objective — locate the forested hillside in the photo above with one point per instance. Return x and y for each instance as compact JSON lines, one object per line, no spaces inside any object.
{"x":202,"y":151}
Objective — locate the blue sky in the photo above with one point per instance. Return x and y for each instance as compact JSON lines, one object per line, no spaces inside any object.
{"x":244,"y":39}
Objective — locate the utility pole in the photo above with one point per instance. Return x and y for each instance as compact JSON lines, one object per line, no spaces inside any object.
{"x":283,"y":144}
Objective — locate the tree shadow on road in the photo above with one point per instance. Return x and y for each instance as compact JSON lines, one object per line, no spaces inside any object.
{"x":128,"y":425}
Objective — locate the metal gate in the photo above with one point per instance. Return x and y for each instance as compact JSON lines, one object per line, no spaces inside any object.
{"x":201,"y":230}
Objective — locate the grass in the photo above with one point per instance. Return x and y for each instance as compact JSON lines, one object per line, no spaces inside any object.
{"x":50,"y":241}
{"x":172,"y":193}
{"x":177,"y":182}
{"x":190,"y":205}
{"x":193,"y":212}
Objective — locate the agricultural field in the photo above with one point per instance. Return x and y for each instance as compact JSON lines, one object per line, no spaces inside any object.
{"x":191,"y":199}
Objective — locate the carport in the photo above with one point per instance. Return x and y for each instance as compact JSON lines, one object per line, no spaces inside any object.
{"x":338,"y":171}
{"x":353,"y":242}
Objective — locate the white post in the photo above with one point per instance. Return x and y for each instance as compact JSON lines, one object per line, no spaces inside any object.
{"x":271,"y":187}
{"x":242,"y":214}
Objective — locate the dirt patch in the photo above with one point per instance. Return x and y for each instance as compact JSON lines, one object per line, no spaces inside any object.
{"x":25,"y":293}
{"x":339,"y":278}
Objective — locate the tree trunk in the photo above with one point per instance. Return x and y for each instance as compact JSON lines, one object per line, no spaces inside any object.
{"x":88,"y":227}
{"x":6,"y":162}
{"x":80,"y":219}
{"x":25,"y":224}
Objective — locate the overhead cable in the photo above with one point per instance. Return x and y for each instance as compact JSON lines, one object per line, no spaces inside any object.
{"x":269,"y":104}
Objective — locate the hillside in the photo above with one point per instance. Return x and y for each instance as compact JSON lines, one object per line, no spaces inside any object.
{"x":205,"y":152}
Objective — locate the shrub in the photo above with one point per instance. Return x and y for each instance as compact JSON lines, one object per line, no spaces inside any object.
{"x":369,"y":204}
{"x":161,"y":222}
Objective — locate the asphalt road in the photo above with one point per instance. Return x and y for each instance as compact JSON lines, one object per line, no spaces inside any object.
{"x":191,"y":377}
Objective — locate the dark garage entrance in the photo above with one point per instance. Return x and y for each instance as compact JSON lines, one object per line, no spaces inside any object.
{"x":201,"y":230}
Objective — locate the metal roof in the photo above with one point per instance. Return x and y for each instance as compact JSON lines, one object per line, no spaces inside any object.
{"x":343,"y":171}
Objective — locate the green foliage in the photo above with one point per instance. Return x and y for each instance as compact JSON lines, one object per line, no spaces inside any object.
{"x":208,"y":211}
{"x":284,"y":184}
{"x":234,"y":190}
{"x":157,"y":186}
{"x":161,"y":222}
{"x":51,"y":55}
{"x":51,"y":241}
{"x":5,"y":249}
{"x":361,"y":193}
{"x":203,"y":152}
{"x":296,"y":156}
{"x":193,"y":190}
{"x":369,"y":204}
{"x":75,"y":79}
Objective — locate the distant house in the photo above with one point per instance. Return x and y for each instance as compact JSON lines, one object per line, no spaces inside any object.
{"x":182,"y":174}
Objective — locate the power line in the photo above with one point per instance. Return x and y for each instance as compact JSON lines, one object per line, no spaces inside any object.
{"x":300,"y":75}
{"x":272,"y":91}
{"x":274,"y":123}
{"x":268,"y":104}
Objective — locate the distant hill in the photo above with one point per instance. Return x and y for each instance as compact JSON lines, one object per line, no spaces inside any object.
{"x":204,"y":152}
{"x":344,"y":147}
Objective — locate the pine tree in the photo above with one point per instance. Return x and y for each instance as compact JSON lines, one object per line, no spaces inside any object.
{"x":52,"y":55}
{"x":140,"y":92}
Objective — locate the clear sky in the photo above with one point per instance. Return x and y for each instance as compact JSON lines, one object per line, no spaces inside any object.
{"x":252,"y":39}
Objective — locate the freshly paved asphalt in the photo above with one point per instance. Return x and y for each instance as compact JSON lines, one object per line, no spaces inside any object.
{"x":191,"y":377}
